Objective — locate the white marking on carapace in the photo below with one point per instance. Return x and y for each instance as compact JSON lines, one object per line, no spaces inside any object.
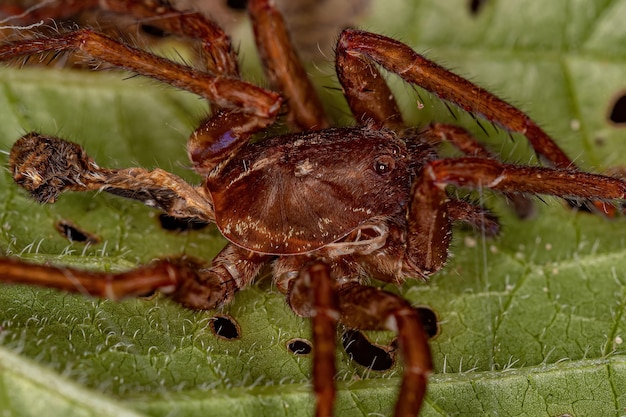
{"x":303,"y":168}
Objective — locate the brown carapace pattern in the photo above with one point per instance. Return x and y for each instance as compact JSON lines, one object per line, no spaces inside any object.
{"x":325,"y":207}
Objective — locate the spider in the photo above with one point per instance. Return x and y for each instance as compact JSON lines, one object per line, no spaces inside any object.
{"x":323,"y":223}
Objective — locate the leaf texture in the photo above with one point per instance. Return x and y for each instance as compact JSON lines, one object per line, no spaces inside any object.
{"x":531,"y":323}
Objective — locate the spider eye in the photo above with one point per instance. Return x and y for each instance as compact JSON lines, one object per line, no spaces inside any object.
{"x":384,"y":164}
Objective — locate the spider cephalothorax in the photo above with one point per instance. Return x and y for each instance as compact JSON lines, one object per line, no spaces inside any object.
{"x":325,"y":207}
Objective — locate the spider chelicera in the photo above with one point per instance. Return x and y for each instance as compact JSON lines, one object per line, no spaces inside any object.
{"x":325,"y":207}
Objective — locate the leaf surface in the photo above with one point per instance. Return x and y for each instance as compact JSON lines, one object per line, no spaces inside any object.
{"x":531,"y":323}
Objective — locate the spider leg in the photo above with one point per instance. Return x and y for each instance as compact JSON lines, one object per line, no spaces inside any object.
{"x":475,"y":216}
{"x":138,"y":282}
{"x":313,"y":294}
{"x":226,"y":92}
{"x":190,"y":283}
{"x":429,"y":221}
{"x":368,"y":308}
{"x":284,"y":68}
{"x":219,"y":56}
{"x":415,"y":69}
{"x":489,"y":173}
{"x":369,"y":97}
{"x":463,"y":140}
{"x":46,"y":166}
{"x":19,"y":15}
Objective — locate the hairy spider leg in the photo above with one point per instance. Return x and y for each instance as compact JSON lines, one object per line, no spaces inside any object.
{"x":61,"y":9}
{"x":137,"y":282}
{"x":284,"y":68}
{"x":313,"y":293}
{"x":463,"y":140}
{"x":186,"y":281}
{"x":429,"y":221}
{"x":415,"y":69}
{"x":377,"y":104}
{"x":282,"y":64}
{"x":369,"y":308}
{"x":219,"y":57}
{"x":226,"y":92}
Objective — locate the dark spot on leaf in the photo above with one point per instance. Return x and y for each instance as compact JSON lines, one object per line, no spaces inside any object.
{"x":225,"y":327}
{"x":475,"y":6}
{"x":74,"y":233}
{"x":176,"y":224}
{"x":429,"y":321}
{"x":299,"y":346}
{"x":237,"y":4}
{"x":366,"y":353}
{"x":617,"y":113}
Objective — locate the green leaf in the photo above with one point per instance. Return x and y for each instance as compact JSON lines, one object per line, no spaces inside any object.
{"x":531,"y":323}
